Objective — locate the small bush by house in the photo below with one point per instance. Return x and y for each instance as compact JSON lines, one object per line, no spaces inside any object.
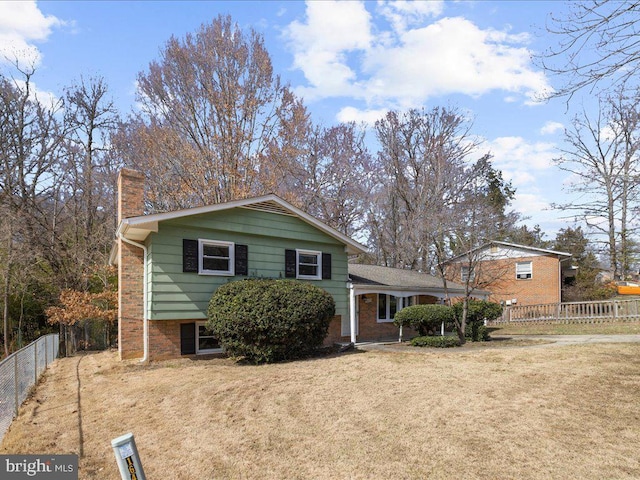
{"x":427,"y":319}
{"x":478,"y":311}
{"x":267,"y":320}
{"x":439,"y":342}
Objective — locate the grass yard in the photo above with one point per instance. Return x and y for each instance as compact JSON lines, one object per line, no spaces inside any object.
{"x":537,"y":412}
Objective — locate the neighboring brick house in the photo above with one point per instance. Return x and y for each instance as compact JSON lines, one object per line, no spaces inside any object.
{"x":514,"y":274}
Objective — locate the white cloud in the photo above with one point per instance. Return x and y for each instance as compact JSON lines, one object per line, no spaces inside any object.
{"x":369,"y":117}
{"x":550,"y":128}
{"x":530,"y":204}
{"x":22,"y":25}
{"x":401,"y":13}
{"x":321,"y":45}
{"x":520,"y":158}
{"x":529,"y":167}
{"x":344,"y":50}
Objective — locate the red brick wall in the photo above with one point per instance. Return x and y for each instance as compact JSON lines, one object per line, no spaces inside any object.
{"x":371,"y":330}
{"x":543,"y":287}
{"x":499,"y":277}
{"x":164,"y":338}
{"x":130,"y":269}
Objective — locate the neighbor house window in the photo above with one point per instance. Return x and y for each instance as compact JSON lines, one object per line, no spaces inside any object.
{"x":309,"y":264}
{"x":465,"y":275}
{"x":205,"y":341}
{"x":215,"y":257}
{"x":388,"y":305}
{"x":524,"y":270}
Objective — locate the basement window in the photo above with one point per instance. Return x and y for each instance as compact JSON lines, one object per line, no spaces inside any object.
{"x":205,"y":341}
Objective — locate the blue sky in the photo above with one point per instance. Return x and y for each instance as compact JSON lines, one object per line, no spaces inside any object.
{"x":349,"y":61}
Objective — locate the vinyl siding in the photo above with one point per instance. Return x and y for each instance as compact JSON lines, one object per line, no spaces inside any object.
{"x":176,"y":295}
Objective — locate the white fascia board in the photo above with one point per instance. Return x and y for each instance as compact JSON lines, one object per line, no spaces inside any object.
{"x":525,"y":247}
{"x":407,"y":291}
{"x":513,"y":246}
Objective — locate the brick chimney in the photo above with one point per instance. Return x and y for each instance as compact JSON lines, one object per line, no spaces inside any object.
{"x":130,"y":269}
{"x":130,"y":194}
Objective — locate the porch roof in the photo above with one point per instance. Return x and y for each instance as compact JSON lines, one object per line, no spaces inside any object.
{"x":374,"y":278}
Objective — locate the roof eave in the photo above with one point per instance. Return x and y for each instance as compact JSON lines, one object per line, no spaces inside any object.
{"x":139,"y":228}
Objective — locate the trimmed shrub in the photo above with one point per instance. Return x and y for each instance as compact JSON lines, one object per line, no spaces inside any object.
{"x":477,"y":333}
{"x":438,"y":342}
{"x":424,"y":318}
{"x":478,"y":312}
{"x":268,"y":320}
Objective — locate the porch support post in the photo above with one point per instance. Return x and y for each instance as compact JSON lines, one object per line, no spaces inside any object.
{"x":352,"y":311}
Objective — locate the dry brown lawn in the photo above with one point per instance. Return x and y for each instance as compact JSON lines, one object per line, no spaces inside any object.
{"x":605,"y":328}
{"x":536,"y":412}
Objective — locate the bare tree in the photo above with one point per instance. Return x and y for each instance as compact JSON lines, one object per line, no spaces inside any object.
{"x":423,"y":171}
{"x":332,"y":178}
{"x":599,"y":41}
{"x":433,"y":201}
{"x":31,"y":138}
{"x":88,"y":176}
{"x":480,"y":216}
{"x":602,"y":156}
{"x":212,"y":113}
{"x":55,"y":192}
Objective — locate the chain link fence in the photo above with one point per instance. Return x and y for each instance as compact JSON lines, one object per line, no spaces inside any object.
{"x":19,"y":372}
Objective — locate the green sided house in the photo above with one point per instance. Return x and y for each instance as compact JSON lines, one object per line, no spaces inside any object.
{"x":169,"y":265}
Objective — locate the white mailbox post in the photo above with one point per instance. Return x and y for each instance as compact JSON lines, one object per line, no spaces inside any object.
{"x":127,"y":457}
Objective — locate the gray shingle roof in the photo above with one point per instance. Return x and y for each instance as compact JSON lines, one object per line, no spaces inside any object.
{"x":396,"y":277}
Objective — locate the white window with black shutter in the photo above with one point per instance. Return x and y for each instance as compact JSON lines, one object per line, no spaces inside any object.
{"x":307,"y":264}
{"x":197,"y":339}
{"x":214,"y":257}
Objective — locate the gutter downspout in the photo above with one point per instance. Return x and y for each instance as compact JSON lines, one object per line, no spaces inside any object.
{"x":352,"y":311}
{"x":145,"y":316}
{"x":560,"y":278}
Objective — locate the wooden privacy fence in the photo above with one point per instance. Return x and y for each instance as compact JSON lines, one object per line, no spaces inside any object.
{"x":573,"y":312}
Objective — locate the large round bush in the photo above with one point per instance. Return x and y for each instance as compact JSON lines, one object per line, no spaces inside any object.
{"x":267,"y":320}
{"x":427,"y":319}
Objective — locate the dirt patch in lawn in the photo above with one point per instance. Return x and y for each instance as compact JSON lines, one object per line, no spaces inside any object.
{"x":559,"y":412}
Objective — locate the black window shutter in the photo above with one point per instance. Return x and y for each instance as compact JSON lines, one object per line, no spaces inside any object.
{"x":290,"y":263}
{"x":242,"y":260}
{"x":187,"y":338}
{"x":326,"y":266}
{"x":189,"y":255}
